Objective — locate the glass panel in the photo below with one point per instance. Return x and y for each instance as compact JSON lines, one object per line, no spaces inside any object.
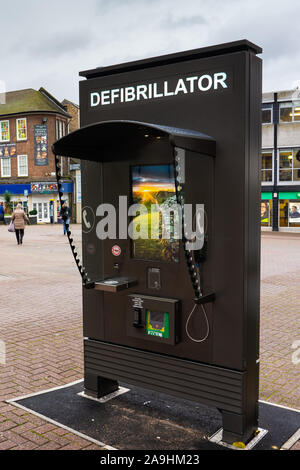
{"x":22,"y":133}
{"x":152,"y":186}
{"x":296,"y":159}
{"x":266,"y":116}
{"x":4,"y":131}
{"x":46,"y":210}
{"x":283,"y":213}
{"x":266,"y":160}
{"x":294,"y":213}
{"x":286,"y":158}
{"x":285,"y":175}
{"x":296,"y":175}
{"x":22,"y":165}
{"x":297,"y":113}
{"x":6,"y":167}
{"x":40,"y":211}
{"x":285,"y":112}
{"x":265,"y":213}
{"x":266,"y":175}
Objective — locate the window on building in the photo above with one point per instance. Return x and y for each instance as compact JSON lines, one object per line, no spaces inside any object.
{"x":21,"y":129}
{"x":266,"y":115}
{"x":15,"y":203}
{"x":267,"y":167}
{"x":289,"y":213}
{"x":22,"y":165}
{"x":5,"y":167}
{"x":60,"y":129}
{"x":290,"y":111}
{"x":289,"y":165}
{"x":56,"y":129}
{"x":4,"y":131}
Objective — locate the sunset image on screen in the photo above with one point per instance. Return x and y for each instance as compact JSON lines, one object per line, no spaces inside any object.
{"x":153,"y":185}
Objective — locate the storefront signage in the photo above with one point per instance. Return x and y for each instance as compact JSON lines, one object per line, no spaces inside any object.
{"x":44,"y":188}
{"x":8,"y":150}
{"x":75,"y":166}
{"x":41,"y":145}
{"x":160,"y":89}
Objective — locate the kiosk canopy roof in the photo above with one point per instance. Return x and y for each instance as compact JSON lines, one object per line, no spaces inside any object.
{"x":102,"y":140}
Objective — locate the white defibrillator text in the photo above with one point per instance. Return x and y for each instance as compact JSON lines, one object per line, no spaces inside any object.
{"x":195,"y":84}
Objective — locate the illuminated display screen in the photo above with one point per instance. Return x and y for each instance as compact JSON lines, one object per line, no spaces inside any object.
{"x":157,"y":324}
{"x":154,"y":186}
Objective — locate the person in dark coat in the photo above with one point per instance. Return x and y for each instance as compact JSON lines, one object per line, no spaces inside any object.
{"x":65,"y":213}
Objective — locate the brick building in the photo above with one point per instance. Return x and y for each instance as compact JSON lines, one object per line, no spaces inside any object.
{"x":30,"y":121}
{"x":74,"y":164}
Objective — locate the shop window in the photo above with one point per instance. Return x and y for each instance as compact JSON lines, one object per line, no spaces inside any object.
{"x":5,"y":167}
{"x":289,"y":213}
{"x":267,"y":167}
{"x":266,"y":213}
{"x":267,"y":116}
{"x":289,"y":165}
{"x":15,"y":203}
{"x":290,"y":111}
{"x":4,"y":131}
{"x":22,"y":165}
{"x":22,"y":129}
{"x":60,"y":129}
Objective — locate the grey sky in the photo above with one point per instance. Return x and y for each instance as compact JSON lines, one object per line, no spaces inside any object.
{"x":48,"y":43}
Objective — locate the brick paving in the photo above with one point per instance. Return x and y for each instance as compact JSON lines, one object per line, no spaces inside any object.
{"x":41,"y":325}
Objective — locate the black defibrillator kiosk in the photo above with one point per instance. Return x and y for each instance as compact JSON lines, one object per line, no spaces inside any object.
{"x":179,"y":313}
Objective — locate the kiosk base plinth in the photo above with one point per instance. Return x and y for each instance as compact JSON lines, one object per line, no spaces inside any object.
{"x":236,"y":428}
{"x":97,"y":387}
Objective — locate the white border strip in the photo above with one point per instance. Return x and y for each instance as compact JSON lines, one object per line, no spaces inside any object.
{"x":217,"y":439}
{"x":43,"y":391}
{"x":291,"y":441}
{"x":12,"y":401}
{"x":280,"y":406}
{"x":106,"y":397}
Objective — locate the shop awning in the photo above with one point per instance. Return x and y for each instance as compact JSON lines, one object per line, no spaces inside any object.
{"x":105,"y":141}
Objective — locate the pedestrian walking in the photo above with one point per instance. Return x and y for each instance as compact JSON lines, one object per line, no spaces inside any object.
{"x":2,"y":218}
{"x":65,"y":213}
{"x":19,"y":217}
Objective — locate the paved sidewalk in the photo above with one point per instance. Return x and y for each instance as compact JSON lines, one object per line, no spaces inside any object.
{"x":41,"y":325}
{"x":40,"y":322}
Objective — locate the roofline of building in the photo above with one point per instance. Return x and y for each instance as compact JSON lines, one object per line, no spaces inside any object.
{"x":65,"y":114}
{"x":71,"y":102}
{"x":281,"y":91}
{"x":51,"y":98}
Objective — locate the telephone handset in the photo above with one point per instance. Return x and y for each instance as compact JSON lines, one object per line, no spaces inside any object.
{"x":194,"y":258}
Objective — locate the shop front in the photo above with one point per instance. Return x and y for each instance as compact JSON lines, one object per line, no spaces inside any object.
{"x":39,"y":196}
{"x":45,"y":200}
{"x":288,"y":204}
{"x":18,"y":194}
{"x":289,"y":211}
